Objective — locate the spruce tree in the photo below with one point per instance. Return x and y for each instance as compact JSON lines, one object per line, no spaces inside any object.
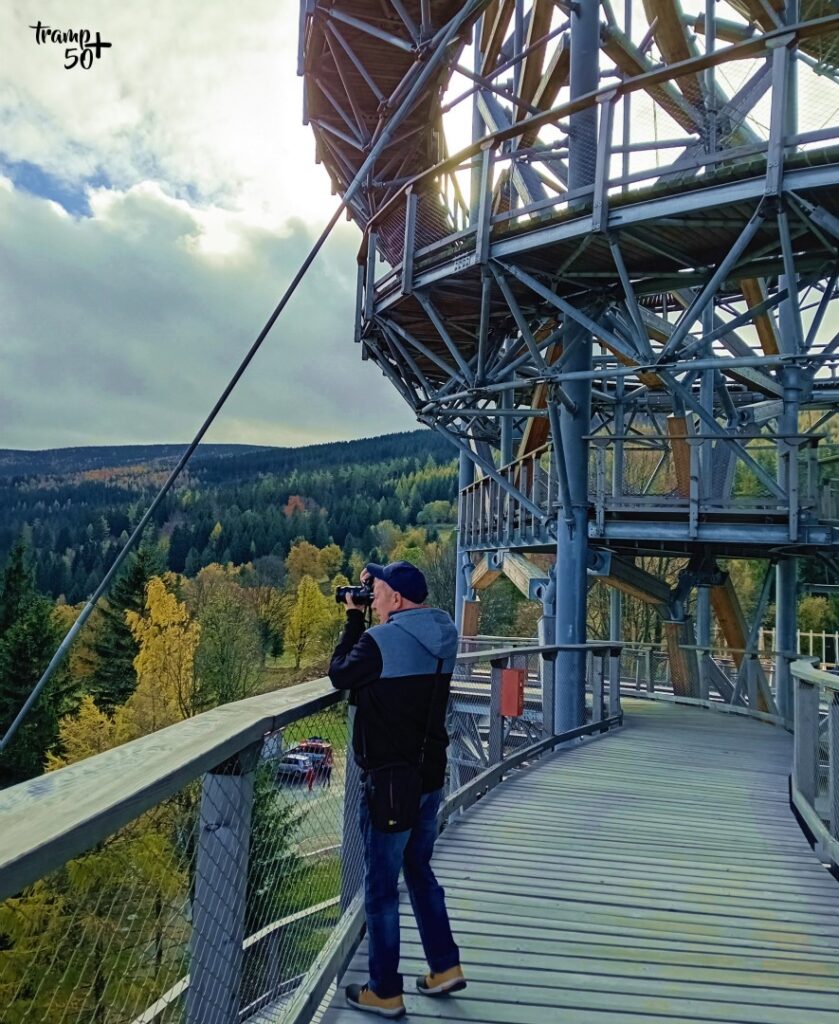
{"x":114,"y":679}
{"x":28,"y":639}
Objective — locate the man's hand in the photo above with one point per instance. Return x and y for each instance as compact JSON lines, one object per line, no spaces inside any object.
{"x":352,"y":605}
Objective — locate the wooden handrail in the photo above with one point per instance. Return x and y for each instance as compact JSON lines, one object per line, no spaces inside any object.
{"x":804,"y":669}
{"x":48,"y":820}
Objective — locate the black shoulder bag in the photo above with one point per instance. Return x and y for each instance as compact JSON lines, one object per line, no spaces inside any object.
{"x":393,"y":792}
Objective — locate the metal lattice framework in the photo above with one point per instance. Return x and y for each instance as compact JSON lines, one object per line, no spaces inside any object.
{"x":615,"y":298}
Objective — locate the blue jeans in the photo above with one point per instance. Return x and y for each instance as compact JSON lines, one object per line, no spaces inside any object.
{"x":384,"y":854}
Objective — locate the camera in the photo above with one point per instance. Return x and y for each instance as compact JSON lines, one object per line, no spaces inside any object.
{"x":360,"y":595}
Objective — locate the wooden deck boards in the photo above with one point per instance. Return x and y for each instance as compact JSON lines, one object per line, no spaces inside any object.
{"x":656,"y":875}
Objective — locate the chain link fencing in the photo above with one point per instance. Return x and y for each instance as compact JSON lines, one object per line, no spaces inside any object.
{"x":226,"y":891}
{"x":208,"y":878}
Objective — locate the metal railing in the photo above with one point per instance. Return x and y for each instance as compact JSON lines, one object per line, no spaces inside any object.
{"x":530,"y":177}
{"x":661,"y":476}
{"x":734,"y":680}
{"x":815,"y":774}
{"x":210,"y":872}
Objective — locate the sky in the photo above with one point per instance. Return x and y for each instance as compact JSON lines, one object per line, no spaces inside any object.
{"x":153,"y":208}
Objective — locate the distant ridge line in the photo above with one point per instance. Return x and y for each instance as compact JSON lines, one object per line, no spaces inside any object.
{"x":84,"y":458}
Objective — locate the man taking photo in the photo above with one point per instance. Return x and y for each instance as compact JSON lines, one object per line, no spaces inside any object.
{"x":398,"y":674}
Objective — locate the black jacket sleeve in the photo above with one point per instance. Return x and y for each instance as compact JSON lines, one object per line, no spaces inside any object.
{"x":357,"y":660}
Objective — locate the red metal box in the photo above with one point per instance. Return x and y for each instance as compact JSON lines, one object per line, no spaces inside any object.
{"x":512,"y":692}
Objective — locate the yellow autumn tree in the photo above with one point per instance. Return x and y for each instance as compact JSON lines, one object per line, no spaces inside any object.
{"x":334,"y":618}
{"x":306,"y":615}
{"x":93,"y":971}
{"x":330,"y":560}
{"x":166,"y":687}
{"x":303,"y":560}
{"x":88,"y":732}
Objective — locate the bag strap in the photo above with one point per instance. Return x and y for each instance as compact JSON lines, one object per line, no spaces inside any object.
{"x":430,"y":711}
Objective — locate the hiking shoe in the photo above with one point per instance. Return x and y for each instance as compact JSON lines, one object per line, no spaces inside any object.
{"x":362,"y":997}
{"x":442,"y":984}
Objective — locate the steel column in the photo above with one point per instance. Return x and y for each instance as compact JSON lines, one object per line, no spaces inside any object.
{"x":466,"y":475}
{"x":703,"y":639}
{"x":572,"y":538}
{"x":786,"y":574}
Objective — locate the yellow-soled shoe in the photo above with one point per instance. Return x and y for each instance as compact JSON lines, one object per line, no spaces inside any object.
{"x":442,"y":984}
{"x":362,"y":997}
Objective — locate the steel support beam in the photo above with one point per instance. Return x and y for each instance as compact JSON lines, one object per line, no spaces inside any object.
{"x":572,"y":539}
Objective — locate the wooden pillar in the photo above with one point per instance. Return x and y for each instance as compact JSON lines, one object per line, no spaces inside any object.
{"x":684,"y":671}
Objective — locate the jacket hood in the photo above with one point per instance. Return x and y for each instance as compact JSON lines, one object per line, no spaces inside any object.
{"x":430,"y":627}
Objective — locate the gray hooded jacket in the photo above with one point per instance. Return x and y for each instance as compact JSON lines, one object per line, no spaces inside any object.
{"x":398,"y":674}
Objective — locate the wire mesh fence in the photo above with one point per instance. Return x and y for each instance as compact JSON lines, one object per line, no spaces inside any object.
{"x":226,"y":891}
{"x":815,"y":776}
{"x":219,"y":902}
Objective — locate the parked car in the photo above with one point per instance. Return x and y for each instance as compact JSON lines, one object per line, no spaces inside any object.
{"x":321,"y":755}
{"x":319,"y":749}
{"x":294,"y":766}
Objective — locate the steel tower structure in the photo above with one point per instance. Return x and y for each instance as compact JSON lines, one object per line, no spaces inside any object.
{"x":616,"y":297}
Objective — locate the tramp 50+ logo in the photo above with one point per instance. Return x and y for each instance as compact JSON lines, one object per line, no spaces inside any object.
{"x":80,"y":48}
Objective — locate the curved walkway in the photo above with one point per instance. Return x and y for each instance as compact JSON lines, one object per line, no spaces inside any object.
{"x":655,"y":875}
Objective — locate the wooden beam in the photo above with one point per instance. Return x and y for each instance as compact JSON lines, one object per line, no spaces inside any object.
{"x":537,"y":428}
{"x":471,"y":618}
{"x":684,"y":670}
{"x":756,"y":12}
{"x":754,"y":292}
{"x":523,"y":574}
{"x":493,"y":40}
{"x":729,"y":31}
{"x":631,"y":579}
{"x":489,"y":16}
{"x":729,"y":613}
{"x":484,"y":575}
{"x":672,"y":41}
{"x":554,"y":78}
{"x":652,"y":380}
{"x":730,"y":616}
{"x":531,"y":70}
{"x":632,"y":63}
{"x":677,"y":428}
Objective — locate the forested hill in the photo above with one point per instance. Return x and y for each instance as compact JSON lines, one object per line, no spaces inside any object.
{"x":235,"y":503}
{"x":59,"y":461}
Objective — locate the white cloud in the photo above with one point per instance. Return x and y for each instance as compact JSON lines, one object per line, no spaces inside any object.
{"x":125,"y":326}
{"x":121,"y":328}
{"x":203,"y":97}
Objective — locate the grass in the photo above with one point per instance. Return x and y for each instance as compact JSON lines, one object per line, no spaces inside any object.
{"x":280,"y":673}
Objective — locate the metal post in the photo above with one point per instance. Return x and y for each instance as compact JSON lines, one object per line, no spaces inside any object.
{"x":703,"y":639}
{"x":614,"y":681}
{"x":221,"y":878}
{"x":786,"y":573}
{"x":596,"y":664}
{"x":466,"y":475}
{"x":833,"y":764}
{"x":477,"y":125}
{"x":572,"y":538}
{"x":710,"y":78}
{"x":805,"y":751}
{"x":495,"y":739}
{"x":615,"y":630}
{"x":751,"y":682}
{"x":508,"y":404}
{"x":352,"y":859}
{"x":615,"y":603}
{"x":547,"y":631}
